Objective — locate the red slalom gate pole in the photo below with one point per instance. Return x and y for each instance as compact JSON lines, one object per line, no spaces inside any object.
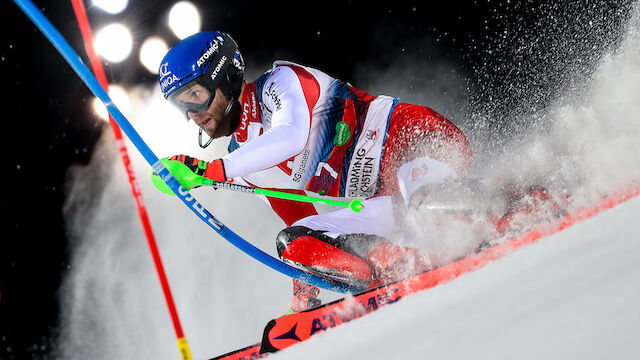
{"x":98,"y":70}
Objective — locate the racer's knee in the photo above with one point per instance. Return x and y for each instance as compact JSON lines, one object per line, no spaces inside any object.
{"x":420,"y":173}
{"x":288,"y":235}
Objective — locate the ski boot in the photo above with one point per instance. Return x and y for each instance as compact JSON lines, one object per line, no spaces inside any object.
{"x":305,"y":297}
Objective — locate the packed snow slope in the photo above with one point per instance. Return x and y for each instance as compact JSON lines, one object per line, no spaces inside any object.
{"x":573,"y":295}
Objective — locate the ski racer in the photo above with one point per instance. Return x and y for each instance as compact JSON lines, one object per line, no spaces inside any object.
{"x":299,"y":129}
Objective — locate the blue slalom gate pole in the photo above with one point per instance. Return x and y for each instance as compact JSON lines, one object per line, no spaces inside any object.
{"x":63,"y":47}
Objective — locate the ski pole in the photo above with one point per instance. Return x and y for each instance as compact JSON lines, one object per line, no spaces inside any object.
{"x":98,"y":70}
{"x":189,"y":180}
{"x":355,"y":205}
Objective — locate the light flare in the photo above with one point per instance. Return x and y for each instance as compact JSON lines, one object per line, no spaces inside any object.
{"x":113,"y":42}
{"x":111,"y":6}
{"x":151,"y":53}
{"x":184,"y":19}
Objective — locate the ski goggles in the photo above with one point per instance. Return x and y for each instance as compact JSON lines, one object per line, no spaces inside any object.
{"x":192,"y":97}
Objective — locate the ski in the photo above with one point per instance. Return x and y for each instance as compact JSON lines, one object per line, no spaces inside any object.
{"x":288,"y":330}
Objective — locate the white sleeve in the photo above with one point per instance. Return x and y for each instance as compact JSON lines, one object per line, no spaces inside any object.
{"x":290,"y":125}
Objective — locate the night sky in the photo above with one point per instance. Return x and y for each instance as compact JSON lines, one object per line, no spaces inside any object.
{"x":48,"y":123}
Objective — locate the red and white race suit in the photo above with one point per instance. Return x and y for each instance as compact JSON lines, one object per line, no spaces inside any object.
{"x":305,"y":131}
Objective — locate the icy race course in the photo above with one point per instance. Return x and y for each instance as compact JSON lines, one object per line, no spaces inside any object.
{"x":573,"y":295}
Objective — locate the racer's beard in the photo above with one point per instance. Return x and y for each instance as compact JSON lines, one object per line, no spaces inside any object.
{"x":231,"y":117}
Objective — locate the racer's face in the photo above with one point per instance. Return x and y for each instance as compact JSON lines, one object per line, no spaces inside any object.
{"x":211,"y":119}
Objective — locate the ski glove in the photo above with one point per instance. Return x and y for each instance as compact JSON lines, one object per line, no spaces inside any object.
{"x":213,"y":170}
{"x":189,"y":171}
